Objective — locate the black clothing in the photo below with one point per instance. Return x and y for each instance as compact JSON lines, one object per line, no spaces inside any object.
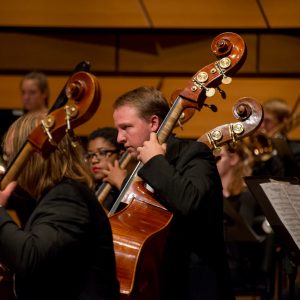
{"x":283,"y":162}
{"x":22,"y":203}
{"x":186,"y":181}
{"x":247,"y":206}
{"x":251,"y":263}
{"x":295,"y":147}
{"x":65,"y":251}
{"x":110,"y":198}
{"x":271,"y":167}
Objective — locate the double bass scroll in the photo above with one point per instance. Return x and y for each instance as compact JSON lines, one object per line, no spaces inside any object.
{"x":83,"y":93}
{"x":250,"y":115}
{"x":82,"y":100}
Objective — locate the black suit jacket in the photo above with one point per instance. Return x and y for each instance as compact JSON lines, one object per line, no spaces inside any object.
{"x":187,"y":182}
{"x":65,"y":251}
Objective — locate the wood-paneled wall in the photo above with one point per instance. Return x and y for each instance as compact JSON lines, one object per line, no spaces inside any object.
{"x":203,"y":121}
{"x":151,"y":13}
{"x":150,"y":42}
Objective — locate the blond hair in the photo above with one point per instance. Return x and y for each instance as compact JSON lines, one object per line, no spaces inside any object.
{"x":241,"y":169}
{"x":148,"y":101}
{"x":39,"y":174}
{"x":278,"y":108}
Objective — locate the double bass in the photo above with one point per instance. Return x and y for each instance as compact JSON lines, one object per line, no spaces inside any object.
{"x":81,"y":100}
{"x":140,"y":230}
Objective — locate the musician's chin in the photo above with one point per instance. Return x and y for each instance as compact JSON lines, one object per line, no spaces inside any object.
{"x":132,"y":152}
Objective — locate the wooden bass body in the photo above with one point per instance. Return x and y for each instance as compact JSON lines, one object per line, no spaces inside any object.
{"x":139,"y":244}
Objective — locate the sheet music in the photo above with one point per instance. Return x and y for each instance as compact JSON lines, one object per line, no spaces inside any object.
{"x":285,"y":198}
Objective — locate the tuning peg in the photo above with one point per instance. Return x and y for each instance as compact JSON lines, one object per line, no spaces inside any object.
{"x":226,"y":79}
{"x":209,"y":92}
{"x":212,"y":107}
{"x":216,"y":151}
{"x":179,"y":124}
{"x":199,"y":81}
{"x":222,"y":92}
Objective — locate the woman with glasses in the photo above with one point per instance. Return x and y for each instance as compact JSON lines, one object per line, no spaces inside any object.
{"x":103,"y":153}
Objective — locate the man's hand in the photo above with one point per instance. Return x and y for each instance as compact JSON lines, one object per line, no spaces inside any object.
{"x":151,"y":148}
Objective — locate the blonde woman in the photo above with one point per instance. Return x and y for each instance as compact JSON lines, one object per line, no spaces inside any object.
{"x":65,"y":250}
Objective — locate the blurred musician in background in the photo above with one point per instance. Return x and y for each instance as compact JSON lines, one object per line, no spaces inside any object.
{"x":185,"y":180}
{"x":250,"y":261}
{"x":103,"y":153}
{"x":277,"y":155}
{"x":34,"y":92}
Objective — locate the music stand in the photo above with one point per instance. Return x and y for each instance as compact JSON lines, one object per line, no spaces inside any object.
{"x":278,"y":198}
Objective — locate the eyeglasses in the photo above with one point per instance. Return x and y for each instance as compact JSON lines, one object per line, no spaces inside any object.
{"x":100,"y":154}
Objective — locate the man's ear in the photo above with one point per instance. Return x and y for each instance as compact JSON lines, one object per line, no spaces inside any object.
{"x":154,"y":123}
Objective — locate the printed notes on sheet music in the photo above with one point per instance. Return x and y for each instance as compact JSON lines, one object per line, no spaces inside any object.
{"x":285,"y":198}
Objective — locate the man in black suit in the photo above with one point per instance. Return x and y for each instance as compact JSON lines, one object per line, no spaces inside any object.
{"x":185,"y":180}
